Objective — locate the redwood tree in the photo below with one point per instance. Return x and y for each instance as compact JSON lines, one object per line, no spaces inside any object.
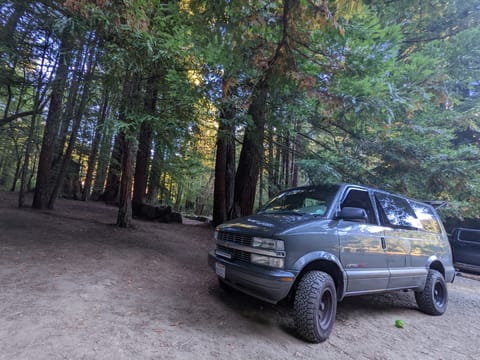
{"x":223,"y":196}
{"x":44,"y":182}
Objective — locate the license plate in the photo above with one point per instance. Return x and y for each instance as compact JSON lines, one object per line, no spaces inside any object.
{"x":220,"y":270}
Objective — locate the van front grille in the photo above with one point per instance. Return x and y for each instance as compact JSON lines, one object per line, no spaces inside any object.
{"x":236,"y":254}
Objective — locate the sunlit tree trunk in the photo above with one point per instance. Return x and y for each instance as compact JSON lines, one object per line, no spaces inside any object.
{"x":251,"y":155}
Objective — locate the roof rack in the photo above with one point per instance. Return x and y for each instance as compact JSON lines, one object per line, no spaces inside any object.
{"x":437,"y":204}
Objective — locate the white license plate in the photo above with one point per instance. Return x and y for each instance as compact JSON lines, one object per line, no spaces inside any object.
{"x":220,"y":270}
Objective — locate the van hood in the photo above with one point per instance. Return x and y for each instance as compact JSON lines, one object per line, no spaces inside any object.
{"x":265,"y":224}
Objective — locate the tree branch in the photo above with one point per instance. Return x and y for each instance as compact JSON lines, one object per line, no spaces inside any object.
{"x":13,"y":117}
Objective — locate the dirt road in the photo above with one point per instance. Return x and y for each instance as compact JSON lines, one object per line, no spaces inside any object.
{"x":72,"y":286}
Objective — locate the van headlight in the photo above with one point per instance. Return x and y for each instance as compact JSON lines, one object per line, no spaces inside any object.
{"x":269,"y":252}
{"x":276,"y":262}
{"x":268,"y":244}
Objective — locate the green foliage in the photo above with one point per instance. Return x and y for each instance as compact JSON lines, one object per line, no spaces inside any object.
{"x":401,"y":110}
{"x":384,"y":94}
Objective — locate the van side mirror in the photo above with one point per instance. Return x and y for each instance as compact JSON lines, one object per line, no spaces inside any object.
{"x":353,"y":214}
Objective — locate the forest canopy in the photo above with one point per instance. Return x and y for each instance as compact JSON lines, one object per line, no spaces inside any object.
{"x":212,"y":107}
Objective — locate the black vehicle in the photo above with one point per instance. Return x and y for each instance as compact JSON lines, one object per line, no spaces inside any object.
{"x":466,"y":249}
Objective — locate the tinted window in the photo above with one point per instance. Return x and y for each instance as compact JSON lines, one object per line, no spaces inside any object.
{"x":426,"y":215}
{"x":397,"y":212}
{"x":469,"y":235}
{"x":360,"y":199}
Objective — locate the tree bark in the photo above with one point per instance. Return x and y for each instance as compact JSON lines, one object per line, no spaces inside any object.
{"x":69,"y":109}
{"x":43,"y":185}
{"x":92,"y":158}
{"x":103,"y":161}
{"x":224,"y":186}
{"x":26,"y":161}
{"x":155,"y":174}
{"x":144,"y":145}
{"x":39,"y":97}
{"x":251,"y":155}
{"x":286,"y":161}
{"x":73,"y":136}
{"x":130,"y":98}
{"x":112,"y":186}
{"x":124,"y":217}
{"x":272,"y":179}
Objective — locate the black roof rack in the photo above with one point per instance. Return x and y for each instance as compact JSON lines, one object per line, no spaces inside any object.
{"x":437,"y":204}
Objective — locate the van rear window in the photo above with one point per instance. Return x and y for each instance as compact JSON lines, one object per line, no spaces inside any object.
{"x":426,"y":216}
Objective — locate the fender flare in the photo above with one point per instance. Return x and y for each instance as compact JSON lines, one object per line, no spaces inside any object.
{"x":313,"y":256}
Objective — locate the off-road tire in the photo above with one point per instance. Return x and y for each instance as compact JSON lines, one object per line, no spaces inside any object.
{"x":315,"y":306}
{"x":433,"y":299}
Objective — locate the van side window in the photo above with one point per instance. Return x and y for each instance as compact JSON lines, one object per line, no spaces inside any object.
{"x":469,"y":235}
{"x":427,"y":217}
{"x":397,"y":212}
{"x":360,"y":199}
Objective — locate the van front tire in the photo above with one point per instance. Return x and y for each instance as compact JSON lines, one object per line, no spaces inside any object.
{"x":315,"y":306}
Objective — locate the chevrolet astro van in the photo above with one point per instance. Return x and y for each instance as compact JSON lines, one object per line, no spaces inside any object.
{"x":319,"y":244}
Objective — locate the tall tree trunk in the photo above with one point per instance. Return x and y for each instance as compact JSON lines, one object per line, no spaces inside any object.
{"x":112,"y":186}
{"x":251,"y":154}
{"x":163,"y":194}
{"x":286,"y":161}
{"x":69,"y":111}
{"x":295,"y":149}
{"x":155,"y":174}
{"x":144,"y":144}
{"x":224,"y":186}
{"x":92,"y":158}
{"x":124,"y":217}
{"x":39,"y":97}
{"x":272,"y":165}
{"x":103,"y":161}
{"x":43,"y":189}
{"x":26,"y":160}
{"x":130,"y":98}
{"x":73,"y":137}
{"x":16,"y":176}
{"x":178,"y":198}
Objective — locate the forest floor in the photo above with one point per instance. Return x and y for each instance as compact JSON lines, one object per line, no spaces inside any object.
{"x":73,"y":286}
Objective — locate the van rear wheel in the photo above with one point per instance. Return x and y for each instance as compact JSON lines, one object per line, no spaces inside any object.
{"x":433,"y":299}
{"x":315,"y":306}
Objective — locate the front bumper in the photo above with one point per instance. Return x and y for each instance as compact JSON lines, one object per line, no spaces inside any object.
{"x":270,"y":285}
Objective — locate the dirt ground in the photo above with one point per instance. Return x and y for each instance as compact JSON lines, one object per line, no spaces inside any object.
{"x":73,"y":286}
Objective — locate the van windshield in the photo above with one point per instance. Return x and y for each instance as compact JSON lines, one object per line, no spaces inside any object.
{"x":302,"y":201}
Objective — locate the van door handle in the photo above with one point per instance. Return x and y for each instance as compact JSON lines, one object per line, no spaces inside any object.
{"x":384,"y":243}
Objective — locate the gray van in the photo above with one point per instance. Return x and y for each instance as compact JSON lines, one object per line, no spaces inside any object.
{"x":466,"y":249}
{"x":319,"y":244}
